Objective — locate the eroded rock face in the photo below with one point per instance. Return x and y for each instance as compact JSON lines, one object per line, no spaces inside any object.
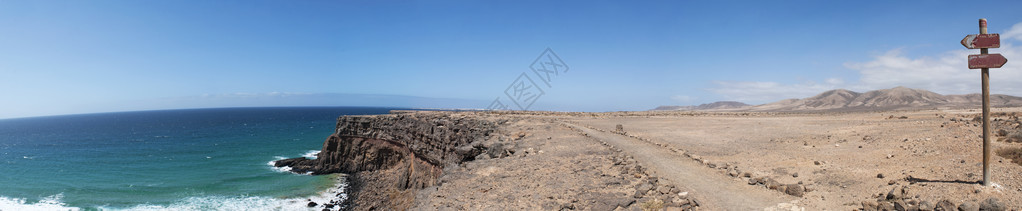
{"x":367,"y":143}
{"x":395,"y":152}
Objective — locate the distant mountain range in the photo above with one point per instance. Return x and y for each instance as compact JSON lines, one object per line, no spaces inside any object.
{"x":845,"y":100}
{"x":707,"y":106}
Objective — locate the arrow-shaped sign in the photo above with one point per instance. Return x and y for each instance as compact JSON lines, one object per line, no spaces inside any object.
{"x":974,"y":41}
{"x":977,"y":61}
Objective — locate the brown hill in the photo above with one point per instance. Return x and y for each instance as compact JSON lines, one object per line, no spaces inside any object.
{"x":719,"y":105}
{"x":845,"y":100}
{"x":884,"y":99}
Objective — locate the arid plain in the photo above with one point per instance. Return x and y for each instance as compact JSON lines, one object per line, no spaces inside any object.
{"x":741,"y":161}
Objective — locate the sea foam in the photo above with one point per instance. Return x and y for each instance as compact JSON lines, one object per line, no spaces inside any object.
{"x":250,"y":202}
{"x":47,"y":203}
{"x":282,"y":169}
{"x":311,"y":154}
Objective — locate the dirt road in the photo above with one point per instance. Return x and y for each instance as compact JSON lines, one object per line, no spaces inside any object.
{"x":720,"y":192}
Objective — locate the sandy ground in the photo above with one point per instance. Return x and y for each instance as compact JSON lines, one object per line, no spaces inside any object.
{"x":568,"y":161}
{"x":547,"y":166}
{"x":841,"y":155}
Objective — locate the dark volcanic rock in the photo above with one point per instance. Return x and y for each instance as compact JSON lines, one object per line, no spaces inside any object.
{"x":968,"y":206}
{"x":795,"y":190}
{"x":366,"y":143}
{"x":885,"y":205}
{"x":992,"y":204}
{"x":925,"y":206}
{"x":387,"y":154}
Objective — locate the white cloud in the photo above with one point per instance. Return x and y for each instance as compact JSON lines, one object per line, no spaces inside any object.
{"x":1014,"y":33}
{"x":945,"y":73}
{"x":763,"y":92}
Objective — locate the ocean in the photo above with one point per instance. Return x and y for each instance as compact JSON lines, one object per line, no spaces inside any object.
{"x":193,"y":159}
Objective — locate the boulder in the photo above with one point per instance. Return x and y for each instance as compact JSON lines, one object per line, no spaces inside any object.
{"x":795,"y":190}
{"x":992,"y":204}
{"x":901,"y":205}
{"x":925,"y":206}
{"x":968,"y":206}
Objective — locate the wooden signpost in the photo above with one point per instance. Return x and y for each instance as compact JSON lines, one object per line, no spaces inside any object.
{"x":985,"y":61}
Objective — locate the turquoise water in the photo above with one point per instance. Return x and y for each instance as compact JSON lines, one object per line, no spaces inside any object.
{"x":198,"y":159}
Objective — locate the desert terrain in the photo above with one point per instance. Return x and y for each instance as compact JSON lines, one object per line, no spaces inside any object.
{"x":920,"y":159}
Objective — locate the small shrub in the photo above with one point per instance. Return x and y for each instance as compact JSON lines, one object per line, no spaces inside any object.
{"x":651,"y":205}
{"x":1013,"y":137}
{"x":1013,"y":153}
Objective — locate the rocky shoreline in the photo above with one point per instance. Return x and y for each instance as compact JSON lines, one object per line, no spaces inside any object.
{"x":438,"y":160}
{"x":387,"y":157}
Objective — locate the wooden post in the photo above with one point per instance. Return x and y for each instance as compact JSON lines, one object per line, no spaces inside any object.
{"x":985,"y":75}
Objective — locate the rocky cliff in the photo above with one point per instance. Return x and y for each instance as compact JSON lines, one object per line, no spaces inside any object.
{"x":389,"y":156}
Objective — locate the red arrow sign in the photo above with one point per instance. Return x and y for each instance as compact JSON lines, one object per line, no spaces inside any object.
{"x":974,"y":41}
{"x":977,"y":61}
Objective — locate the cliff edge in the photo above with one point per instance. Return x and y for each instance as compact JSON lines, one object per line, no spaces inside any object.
{"x":390,"y":156}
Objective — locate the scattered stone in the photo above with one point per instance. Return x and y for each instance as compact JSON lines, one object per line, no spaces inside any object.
{"x":901,"y":205}
{"x":771,"y":184}
{"x":869,"y":205}
{"x":816,"y":163}
{"x":782,"y":188}
{"x":885,"y":205}
{"x":925,"y":206}
{"x":992,"y":204}
{"x":638,"y":194}
{"x":968,"y":206}
{"x":754,"y":181}
{"x":896,"y":193}
{"x":733,"y":173}
{"x":794,"y":175}
{"x":312,"y":204}
{"x":645,"y":186}
{"x":795,"y":190}
{"x":881,"y":176}
{"x":663,"y":190}
{"x":944,"y":205}
{"x":892,"y":182}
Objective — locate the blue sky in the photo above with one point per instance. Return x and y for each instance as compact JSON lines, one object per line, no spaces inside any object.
{"x":63,"y":57}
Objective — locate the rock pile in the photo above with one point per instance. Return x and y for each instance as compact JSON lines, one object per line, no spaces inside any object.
{"x":898,"y":198}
